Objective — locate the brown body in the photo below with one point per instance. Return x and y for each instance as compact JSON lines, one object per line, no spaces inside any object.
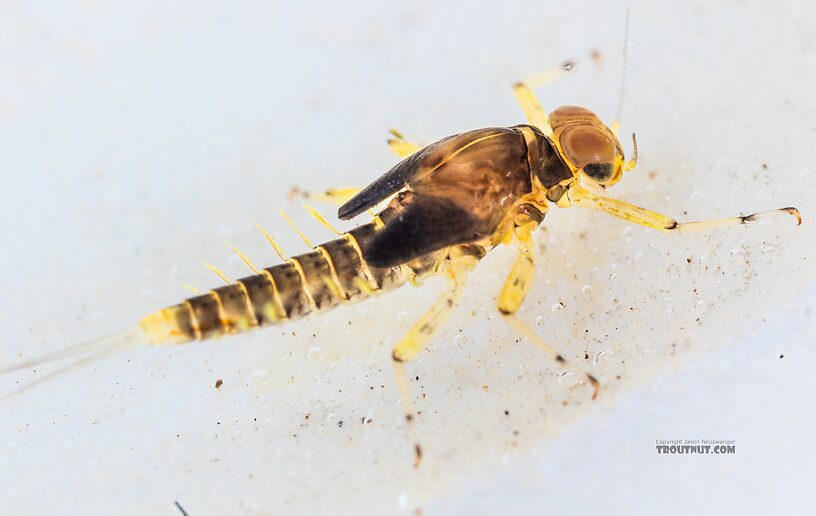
{"x":456,"y":196}
{"x":450,"y":203}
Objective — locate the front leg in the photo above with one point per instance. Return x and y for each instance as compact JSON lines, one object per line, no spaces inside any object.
{"x":580,"y":196}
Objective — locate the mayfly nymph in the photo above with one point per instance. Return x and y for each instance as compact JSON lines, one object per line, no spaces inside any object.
{"x":448,"y":204}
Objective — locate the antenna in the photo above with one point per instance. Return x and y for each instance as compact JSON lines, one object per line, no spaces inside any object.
{"x":623,"y":74}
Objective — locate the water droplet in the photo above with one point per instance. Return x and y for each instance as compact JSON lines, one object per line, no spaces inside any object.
{"x":522,"y":365}
{"x":259,"y":381}
{"x":557,"y":307}
{"x":613,"y":276}
{"x":458,"y":339}
{"x":638,"y":256}
{"x":737,"y":252}
{"x":768,"y":249}
{"x":402,"y":316}
{"x":540,"y":320}
{"x":587,"y":289}
{"x":313,"y":351}
{"x":564,"y":375}
{"x":693,"y":195}
{"x":402,"y":501}
{"x":598,"y":355}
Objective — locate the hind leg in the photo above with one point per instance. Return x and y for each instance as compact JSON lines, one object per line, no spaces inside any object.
{"x":410,"y":346}
{"x":421,"y":332}
{"x":333,"y":196}
{"x":400,"y":146}
{"x":339,"y":196}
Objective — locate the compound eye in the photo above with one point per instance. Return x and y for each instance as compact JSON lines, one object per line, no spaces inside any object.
{"x":599,"y":172}
{"x":587,"y":145}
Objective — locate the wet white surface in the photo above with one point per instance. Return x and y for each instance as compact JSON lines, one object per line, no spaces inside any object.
{"x":135,"y":137}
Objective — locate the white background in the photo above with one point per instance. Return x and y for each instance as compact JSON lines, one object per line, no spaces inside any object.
{"x":135,"y":136}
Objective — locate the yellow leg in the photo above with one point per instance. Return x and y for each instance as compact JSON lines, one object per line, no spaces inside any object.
{"x":400,"y":146}
{"x":579,"y":196}
{"x":529,"y":102}
{"x":333,"y":196}
{"x":419,"y":334}
{"x":514,"y":291}
{"x":405,"y":397}
{"x":417,"y":338}
{"x":518,"y":282}
{"x":532,"y":108}
{"x":531,"y":335}
{"x":339,"y":196}
{"x":521,"y":275}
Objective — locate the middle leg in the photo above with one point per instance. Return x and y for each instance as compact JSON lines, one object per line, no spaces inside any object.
{"x":515,"y":290}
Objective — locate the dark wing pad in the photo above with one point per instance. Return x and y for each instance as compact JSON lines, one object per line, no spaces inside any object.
{"x":389,"y":183}
{"x":425,"y":225}
{"x":414,"y":168}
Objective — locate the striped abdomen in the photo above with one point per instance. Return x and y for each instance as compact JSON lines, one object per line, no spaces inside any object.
{"x":333,"y":273}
